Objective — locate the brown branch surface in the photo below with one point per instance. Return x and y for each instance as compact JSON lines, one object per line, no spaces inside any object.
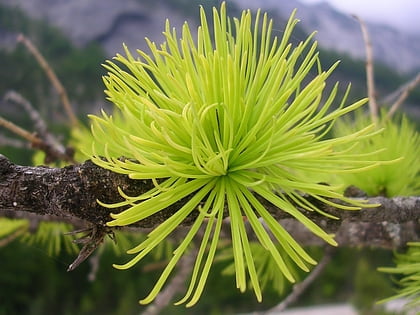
{"x":71,"y":193}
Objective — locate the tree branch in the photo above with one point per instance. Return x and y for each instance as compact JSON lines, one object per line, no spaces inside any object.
{"x":14,"y":143}
{"x":51,"y":76}
{"x":42,"y":139}
{"x":71,"y":192}
{"x":33,"y":139}
{"x":407,"y":88}
{"x":300,"y":288}
{"x":373,"y":106}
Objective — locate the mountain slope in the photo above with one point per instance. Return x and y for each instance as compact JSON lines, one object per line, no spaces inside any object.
{"x":341,"y":32}
{"x":112,"y":22}
{"x":107,"y":22}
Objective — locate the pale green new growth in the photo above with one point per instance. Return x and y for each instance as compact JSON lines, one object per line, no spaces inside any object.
{"x":48,"y":235}
{"x":222,"y":119}
{"x":10,"y":226}
{"x":399,"y":142}
{"x":52,"y":236}
{"x":408,"y":271}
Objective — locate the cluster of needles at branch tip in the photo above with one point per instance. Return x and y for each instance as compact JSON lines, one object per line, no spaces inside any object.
{"x":225,"y":118}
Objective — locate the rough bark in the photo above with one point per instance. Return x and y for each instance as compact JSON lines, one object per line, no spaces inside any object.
{"x":70,"y":193}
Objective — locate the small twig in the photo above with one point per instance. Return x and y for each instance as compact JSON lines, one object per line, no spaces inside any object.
{"x":52,"y":77}
{"x":393,"y":96}
{"x":175,"y":285}
{"x":300,"y":288}
{"x":53,"y":148}
{"x":404,"y":94}
{"x":39,"y":124}
{"x":94,"y":265}
{"x":373,"y":106}
{"x":14,"y":143}
{"x":34,"y":140}
{"x":51,"y":152}
{"x":91,"y":242}
{"x":11,"y":237}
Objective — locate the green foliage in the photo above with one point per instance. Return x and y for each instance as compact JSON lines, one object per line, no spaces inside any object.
{"x":10,"y":226}
{"x":35,"y":283}
{"x":399,"y":141}
{"x":82,"y":138}
{"x":218,"y":120}
{"x":52,"y":236}
{"x":408,"y":270}
{"x":48,"y":235}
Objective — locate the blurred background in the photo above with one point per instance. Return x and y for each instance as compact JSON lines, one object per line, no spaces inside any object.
{"x":77,"y":36}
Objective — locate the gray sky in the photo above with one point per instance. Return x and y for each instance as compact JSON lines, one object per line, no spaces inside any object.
{"x":404,"y":14}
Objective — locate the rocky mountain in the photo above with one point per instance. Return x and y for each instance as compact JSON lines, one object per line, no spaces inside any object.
{"x":108,"y":22}
{"x":341,"y":32}
{"x":113,"y":22}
